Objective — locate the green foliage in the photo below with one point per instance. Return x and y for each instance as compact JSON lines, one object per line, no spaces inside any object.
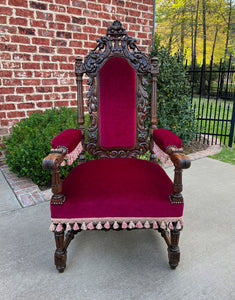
{"x":30,"y":142}
{"x":173,"y":95}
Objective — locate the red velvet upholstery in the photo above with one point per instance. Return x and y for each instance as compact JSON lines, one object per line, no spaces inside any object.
{"x":117,"y":103}
{"x":118,"y":187}
{"x":165,"y":138}
{"x":69,"y":138}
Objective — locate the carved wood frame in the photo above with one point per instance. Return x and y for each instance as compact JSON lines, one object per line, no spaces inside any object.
{"x":116,"y":43}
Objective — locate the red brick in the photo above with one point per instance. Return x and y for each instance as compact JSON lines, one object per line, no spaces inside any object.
{"x":90,"y":45}
{"x":6,"y":11}
{"x":7,"y":90}
{"x":60,"y":89}
{"x":8,"y":123}
{"x":24,"y":13}
{"x":89,"y":13}
{"x":69,"y":96}
{"x":40,"y":41}
{"x":134,"y":13}
{"x":88,"y":29}
{"x":41,"y":58}
{"x":24,"y":90}
{"x":5,"y":74}
{"x":104,"y":16}
{"x":58,"y":43}
{"x":31,"y":81}
{"x":2,"y":115}
{"x":94,"y":6}
{"x":80,"y":36}
{"x":57,"y":8}
{"x":38,"y":5}
{"x":52,"y":97}
{"x":64,"y":51}
{"x":34,"y":111}
{"x":36,"y":23}
{"x":31,"y":49}
{"x":78,"y":3}
{"x":34,"y":97}
{"x":20,"y":39}
{"x":73,"y":27}
{"x":67,"y":81}
{"x":63,"y":18}
{"x":7,"y":106}
{"x":74,"y":11}
{"x":59,"y":58}
{"x":94,"y":22}
{"x":44,"y":104}
{"x":27,"y":31}
{"x":3,"y":19}
{"x":64,"y":2}
{"x":46,"y":33}
{"x":11,"y":65}
{"x":63,"y":34}
{"x":25,"y":105}
{"x":50,"y":66}
{"x":105,"y":1}
{"x":11,"y":82}
{"x":60,"y":74}
{"x":61,"y":103}
{"x":8,"y":29}
{"x":22,"y":3}
{"x":31,"y":66}
{"x":147,"y":15}
{"x":19,"y":56}
{"x":5,"y":56}
{"x":16,"y":114}
{"x":43,"y":89}
{"x":42,"y":74}
{"x":18,"y":21}
{"x":14,"y":98}
{"x":44,"y":16}
{"x":23,"y":74}
{"x":66,"y":66}
{"x":8,"y":47}
{"x":59,"y":26}
{"x":75,"y":44}
{"x":49,"y":81}
{"x":46,"y":50}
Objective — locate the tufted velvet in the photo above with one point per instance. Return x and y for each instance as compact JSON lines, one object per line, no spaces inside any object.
{"x":118,"y":187}
{"x":69,"y":138}
{"x":117,"y":103}
{"x":165,"y":138}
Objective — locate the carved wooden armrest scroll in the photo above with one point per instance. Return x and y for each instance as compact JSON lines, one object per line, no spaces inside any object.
{"x":180,"y":161}
{"x":52,"y":162}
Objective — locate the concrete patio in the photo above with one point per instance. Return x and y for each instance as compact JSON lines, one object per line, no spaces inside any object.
{"x":126,"y":265}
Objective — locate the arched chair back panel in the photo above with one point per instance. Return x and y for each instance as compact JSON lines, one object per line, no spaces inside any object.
{"x":117,"y":103}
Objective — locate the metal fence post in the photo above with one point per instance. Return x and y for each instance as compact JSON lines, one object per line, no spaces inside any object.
{"x":230,"y":143}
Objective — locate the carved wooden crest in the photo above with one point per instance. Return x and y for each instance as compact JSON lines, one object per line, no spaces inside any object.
{"x":116,"y":43}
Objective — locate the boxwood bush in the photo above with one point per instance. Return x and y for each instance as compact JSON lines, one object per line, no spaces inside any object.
{"x":30,"y":142}
{"x":174,"y":107}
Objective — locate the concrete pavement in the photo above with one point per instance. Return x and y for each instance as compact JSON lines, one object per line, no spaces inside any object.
{"x":126,"y":265}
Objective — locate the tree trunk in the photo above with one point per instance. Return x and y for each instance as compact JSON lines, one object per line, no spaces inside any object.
{"x":195,"y":37}
{"x":213,"y":47}
{"x":204,"y":46}
{"x":228,"y":30}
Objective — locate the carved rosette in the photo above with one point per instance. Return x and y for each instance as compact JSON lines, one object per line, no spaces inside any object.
{"x":116,"y":43}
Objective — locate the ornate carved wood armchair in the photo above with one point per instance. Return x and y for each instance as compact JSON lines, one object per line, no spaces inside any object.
{"x":118,"y":190}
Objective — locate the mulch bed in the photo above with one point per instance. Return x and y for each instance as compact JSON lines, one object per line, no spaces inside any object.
{"x":194,"y":146}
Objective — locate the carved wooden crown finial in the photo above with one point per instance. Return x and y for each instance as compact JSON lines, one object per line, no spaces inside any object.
{"x":116,"y":29}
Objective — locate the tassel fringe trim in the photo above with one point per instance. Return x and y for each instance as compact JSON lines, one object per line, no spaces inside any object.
{"x":72,"y":156}
{"x":116,"y":225}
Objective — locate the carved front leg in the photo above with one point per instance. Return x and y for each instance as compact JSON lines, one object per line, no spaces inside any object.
{"x":60,"y":252}
{"x":173,"y":249}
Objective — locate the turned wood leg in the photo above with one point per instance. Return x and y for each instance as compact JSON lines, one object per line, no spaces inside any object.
{"x":173,"y":249}
{"x":60,"y":252}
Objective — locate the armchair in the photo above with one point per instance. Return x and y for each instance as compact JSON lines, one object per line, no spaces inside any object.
{"x":118,"y":190}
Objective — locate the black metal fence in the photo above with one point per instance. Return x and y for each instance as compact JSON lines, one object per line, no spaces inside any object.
{"x":213,"y":100}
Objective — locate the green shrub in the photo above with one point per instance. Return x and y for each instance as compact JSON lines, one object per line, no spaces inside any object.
{"x":30,"y":142}
{"x":174,"y":107}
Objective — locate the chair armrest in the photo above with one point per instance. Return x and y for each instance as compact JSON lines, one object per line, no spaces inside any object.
{"x":164,"y":138}
{"x":69,"y":139}
{"x":179,"y":159}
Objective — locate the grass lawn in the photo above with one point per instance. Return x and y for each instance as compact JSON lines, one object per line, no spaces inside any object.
{"x":226,"y":155}
{"x":217,"y":112}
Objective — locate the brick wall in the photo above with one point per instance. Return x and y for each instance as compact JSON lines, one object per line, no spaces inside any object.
{"x":39,"y":41}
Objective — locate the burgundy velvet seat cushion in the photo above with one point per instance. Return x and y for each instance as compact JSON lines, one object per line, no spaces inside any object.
{"x":118,"y":187}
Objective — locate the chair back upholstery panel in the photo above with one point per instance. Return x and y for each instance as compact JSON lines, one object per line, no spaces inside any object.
{"x":117,"y":104}
{"x":117,"y":98}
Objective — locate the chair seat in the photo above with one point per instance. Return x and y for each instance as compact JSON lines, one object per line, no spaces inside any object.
{"x":116,"y":189}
